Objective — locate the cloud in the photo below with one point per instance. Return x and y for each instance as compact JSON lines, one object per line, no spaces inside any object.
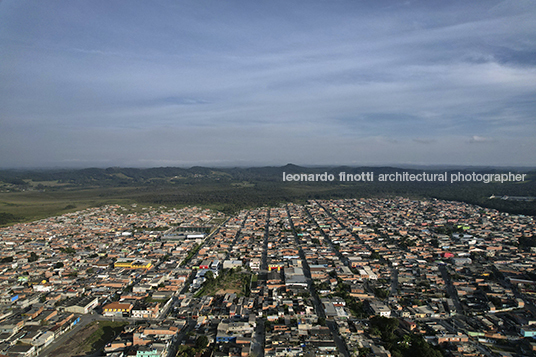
{"x":480,"y":139}
{"x":424,"y":141}
{"x":265,"y":76}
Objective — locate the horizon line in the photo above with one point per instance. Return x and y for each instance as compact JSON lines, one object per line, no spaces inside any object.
{"x":401,"y":166}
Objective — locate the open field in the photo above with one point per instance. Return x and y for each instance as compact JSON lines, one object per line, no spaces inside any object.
{"x":227,"y":291}
{"x":229,"y":281}
{"x":31,"y":205}
{"x":73,"y":346}
{"x":105,"y":332}
{"x":27,"y":196}
{"x":91,"y":338}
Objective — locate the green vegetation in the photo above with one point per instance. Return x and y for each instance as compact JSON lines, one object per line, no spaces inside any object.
{"x":6,"y":218}
{"x":527,"y":242}
{"x":414,"y":346}
{"x":355,"y":306}
{"x":381,"y":293}
{"x":29,"y":195}
{"x":190,"y":255}
{"x":384,"y":327}
{"x":33,"y":257}
{"x":401,"y":346}
{"x":201,"y":343}
{"x":154,"y":229}
{"x":231,"y":280}
{"x":364,"y":351}
{"x":448,"y":229}
{"x":105,"y":333}
{"x":375,"y":255}
{"x":32,"y":205}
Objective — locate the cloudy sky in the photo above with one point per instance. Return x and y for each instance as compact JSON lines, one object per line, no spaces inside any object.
{"x":182,"y":83}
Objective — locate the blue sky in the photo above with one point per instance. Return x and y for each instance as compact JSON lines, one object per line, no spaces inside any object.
{"x":225,"y":83}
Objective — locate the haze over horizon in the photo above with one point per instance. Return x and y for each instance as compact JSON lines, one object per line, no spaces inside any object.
{"x":236,"y":83}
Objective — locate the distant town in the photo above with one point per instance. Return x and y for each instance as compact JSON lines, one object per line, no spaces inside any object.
{"x":351,"y":277}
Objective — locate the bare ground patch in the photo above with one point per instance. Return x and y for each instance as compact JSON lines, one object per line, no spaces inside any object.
{"x":73,"y":346}
{"x":227,"y":291}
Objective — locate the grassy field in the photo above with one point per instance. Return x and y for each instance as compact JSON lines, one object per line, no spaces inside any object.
{"x":72,"y":346}
{"x":229,"y":281}
{"x":106,"y":331}
{"x":36,"y":204}
{"x":26,"y":196}
{"x":32,"y":205}
{"x":91,"y":338}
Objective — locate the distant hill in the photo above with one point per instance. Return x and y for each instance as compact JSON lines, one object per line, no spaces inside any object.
{"x":115,"y":175}
{"x":231,"y":189}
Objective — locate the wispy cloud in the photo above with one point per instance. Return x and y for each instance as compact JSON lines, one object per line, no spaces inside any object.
{"x":475,"y":139}
{"x":254,"y":80}
{"x":424,"y":141}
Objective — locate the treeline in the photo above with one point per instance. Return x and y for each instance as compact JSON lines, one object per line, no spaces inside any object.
{"x":6,"y":218}
{"x":232,"y":189}
{"x":117,"y":175}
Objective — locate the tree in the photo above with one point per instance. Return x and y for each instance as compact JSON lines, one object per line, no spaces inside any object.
{"x":374,"y":331}
{"x":420,"y":348}
{"x":201,"y":343}
{"x":33,"y":257}
{"x":385,"y":325}
{"x":305,"y":294}
{"x":68,"y":250}
{"x":375,"y":255}
{"x":268,"y":326}
{"x":185,"y":351}
{"x":364,"y":351}
{"x":6,"y":218}
{"x":381,"y":293}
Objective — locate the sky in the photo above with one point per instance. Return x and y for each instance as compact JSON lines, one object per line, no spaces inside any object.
{"x":253,"y":83}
